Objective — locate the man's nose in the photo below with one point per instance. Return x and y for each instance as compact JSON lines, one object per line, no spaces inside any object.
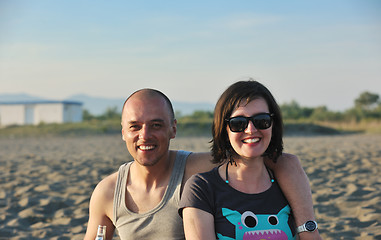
{"x":144,"y":132}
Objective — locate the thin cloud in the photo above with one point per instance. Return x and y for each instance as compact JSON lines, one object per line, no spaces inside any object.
{"x":249,"y":21}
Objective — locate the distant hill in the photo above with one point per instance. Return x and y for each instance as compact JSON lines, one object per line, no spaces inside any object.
{"x":98,"y":105}
{"x":19,"y":97}
{"x":186,"y":108}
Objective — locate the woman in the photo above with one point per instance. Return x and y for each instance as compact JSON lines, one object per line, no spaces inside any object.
{"x":240,"y":199}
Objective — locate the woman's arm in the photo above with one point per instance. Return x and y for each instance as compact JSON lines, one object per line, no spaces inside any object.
{"x":198,"y":224}
{"x":295,"y":186}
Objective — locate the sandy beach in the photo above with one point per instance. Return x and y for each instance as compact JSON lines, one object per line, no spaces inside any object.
{"x":46,"y":183}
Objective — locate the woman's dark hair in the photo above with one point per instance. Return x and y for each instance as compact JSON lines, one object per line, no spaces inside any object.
{"x":245,"y":91}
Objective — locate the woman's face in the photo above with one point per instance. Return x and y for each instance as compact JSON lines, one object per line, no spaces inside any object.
{"x":252,"y":142}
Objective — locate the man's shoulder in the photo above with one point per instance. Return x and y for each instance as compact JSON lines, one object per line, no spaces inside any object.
{"x":101,"y":202}
{"x":288,"y":156}
{"x":106,"y":186}
{"x":197,"y":163}
{"x":195,"y":158}
{"x":284,"y":160}
{"x":110,"y":179}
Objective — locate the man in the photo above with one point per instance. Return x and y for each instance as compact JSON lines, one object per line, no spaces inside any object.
{"x":141,"y":199}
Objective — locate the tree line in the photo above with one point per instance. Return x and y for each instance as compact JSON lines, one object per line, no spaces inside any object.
{"x":365,"y":113}
{"x":367,"y":106}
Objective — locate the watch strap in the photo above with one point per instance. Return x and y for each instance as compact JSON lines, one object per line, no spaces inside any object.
{"x":303,"y":228}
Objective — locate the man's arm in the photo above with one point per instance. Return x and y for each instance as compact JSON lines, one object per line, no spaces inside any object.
{"x":198,"y":163}
{"x":295,"y":186}
{"x":101,"y":208}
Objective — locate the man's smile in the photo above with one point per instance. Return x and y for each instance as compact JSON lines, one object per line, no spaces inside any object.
{"x":146,"y":147}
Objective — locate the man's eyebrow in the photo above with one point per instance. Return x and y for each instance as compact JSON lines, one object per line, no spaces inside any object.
{"x":132,"y":122}
{"x":153,"y":120}
{"x":157,"y":120}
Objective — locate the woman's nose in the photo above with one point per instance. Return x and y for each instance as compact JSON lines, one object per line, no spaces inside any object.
{"x":250,"y":127}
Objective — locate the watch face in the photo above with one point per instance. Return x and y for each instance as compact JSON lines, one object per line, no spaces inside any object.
{"x":310,"y":226}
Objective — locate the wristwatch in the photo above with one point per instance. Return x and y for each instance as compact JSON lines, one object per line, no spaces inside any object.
{"x":308,"y":226}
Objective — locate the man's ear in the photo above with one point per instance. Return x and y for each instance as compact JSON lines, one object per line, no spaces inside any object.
{"x":123,"y":135}
{"x":174,"y":129}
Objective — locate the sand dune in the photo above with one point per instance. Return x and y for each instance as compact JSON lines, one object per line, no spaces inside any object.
{"x":45,"y":184}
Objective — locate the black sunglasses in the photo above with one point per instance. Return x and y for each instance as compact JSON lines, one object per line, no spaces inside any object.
{"x":261,"y":121}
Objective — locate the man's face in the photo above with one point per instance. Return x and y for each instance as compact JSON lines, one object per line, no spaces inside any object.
{"x":147,"y":128}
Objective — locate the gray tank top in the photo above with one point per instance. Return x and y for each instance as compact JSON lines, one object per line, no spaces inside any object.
{"x":163,"y":221}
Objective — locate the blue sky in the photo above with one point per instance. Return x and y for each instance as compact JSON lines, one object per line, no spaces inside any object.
{"x":314,"y":52}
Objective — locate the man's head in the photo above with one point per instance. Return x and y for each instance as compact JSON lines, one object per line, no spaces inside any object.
{"x":148,"y":125}
{"x":148,"y":92}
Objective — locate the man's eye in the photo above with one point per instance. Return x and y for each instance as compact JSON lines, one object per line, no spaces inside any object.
{"x":134,"y":127}
{"x":157,"y":125}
